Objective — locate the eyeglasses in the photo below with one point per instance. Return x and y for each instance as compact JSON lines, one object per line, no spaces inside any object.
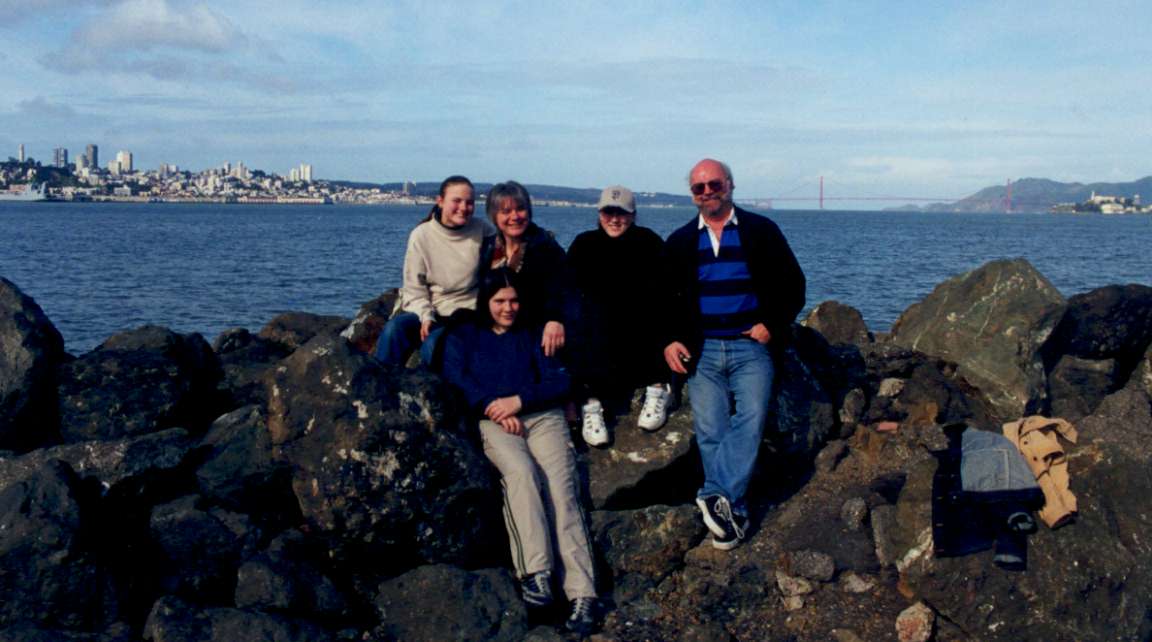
{"x":714,"y":185}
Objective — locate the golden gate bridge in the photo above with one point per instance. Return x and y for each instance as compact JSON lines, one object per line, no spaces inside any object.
{"x":1004,"y":202}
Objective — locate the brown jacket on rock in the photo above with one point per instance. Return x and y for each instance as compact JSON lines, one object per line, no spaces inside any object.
{"x":1038,"y":439}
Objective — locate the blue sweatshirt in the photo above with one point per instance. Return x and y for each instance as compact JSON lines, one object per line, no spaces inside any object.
{"x":487,"y":366}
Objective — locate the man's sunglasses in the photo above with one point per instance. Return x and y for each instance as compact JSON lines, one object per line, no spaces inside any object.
{"x":715,"y":186}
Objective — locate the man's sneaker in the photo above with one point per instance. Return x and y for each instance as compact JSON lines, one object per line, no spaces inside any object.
{"x":583,"y":618}
{"x":537,"y":589}
{"x":727,"y":544}
{"x":655,"y":410}
{"x":717,"y":513}
{"x":595,"y":432}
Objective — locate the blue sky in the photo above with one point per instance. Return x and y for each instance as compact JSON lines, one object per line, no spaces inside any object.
{"x":921,"y":99}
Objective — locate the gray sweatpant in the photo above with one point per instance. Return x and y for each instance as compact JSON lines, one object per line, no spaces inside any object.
{"x":541,"y":502}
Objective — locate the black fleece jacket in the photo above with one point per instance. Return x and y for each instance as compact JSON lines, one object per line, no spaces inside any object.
{"x":776,"y":276}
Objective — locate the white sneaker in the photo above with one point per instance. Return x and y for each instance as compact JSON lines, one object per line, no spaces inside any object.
{"x":595,"y":432}
{"x":655,"y":410}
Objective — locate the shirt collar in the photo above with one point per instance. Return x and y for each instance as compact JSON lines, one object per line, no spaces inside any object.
{"x":701,"y":224}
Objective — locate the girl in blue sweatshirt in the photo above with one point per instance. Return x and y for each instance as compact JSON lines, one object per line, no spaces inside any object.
{"x":516,"y":392}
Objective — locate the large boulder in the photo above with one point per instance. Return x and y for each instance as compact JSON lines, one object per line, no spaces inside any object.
{"x":290,"y":577}
{"x":839,"y":323}
{"x":294,"y":329}
{"x":198,"y":551}
{"x":244,"y":359}
{"x":992,"y":322}
{"x":643,"y":468}
{"x":238,"y":469}
{"x":51,"y":576}
{"x":31,"y":350}
{"x":443,"y":602}
{"x":1096,"y":346}
{"x":642,"y":547}
{"x":378,"y":465}
{"x":138,"y":382}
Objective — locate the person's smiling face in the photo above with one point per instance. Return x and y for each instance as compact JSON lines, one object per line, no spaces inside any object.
{"x":615,"y":221}
{"x":512,"y":219}
{"x":504,"y":306}
{"x":457,"y":205}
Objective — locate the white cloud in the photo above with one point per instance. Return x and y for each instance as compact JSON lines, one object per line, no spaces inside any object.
{"x":14,"y":12}
{"x":144,"y":25}
{"x":43,"y":108}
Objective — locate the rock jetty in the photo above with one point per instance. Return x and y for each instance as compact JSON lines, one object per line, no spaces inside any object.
{"x":284,"y":485}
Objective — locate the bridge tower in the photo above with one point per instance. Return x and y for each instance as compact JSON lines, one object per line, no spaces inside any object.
{"x":821,"y":192}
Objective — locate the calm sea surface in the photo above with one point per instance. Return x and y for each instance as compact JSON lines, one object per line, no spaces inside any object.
{"x":98,"y":268}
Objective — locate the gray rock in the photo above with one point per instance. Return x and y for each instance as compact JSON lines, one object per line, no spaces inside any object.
{"x":853,"y":513}
{"x":791,"y":586}
{"x":138,"y":382}
{"x":831,"y":455}
{"x":245,"y":359}
{"x":853,"y":583}
{"x":812,"y":565}
{"x":443,"y":602}
{"x":883,"y":523}
{"x":1112,"y":322}
{"x":991,"y":321}
{"x":838,"y":323}
{"x":199,"y":551}
{"x":31,"y":350}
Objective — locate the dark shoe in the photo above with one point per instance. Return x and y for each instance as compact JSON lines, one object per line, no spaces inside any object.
{"x":583,"y":618}
{"x":717,"y":514}
{"x":537,"y":589}
{"x":727,"y":544}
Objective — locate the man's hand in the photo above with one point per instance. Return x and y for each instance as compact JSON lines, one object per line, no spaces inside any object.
{"x":503,"y":408}
{"x":512,"y":426}
{"x":425,"y":328}
{"x":759,"y":333}
{"x":553,"y":337}
{"x":676,"y":355}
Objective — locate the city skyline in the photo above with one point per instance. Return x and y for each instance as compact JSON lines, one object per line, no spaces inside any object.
{"x":880,"y":99}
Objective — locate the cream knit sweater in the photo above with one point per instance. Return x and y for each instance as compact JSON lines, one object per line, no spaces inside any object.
{"x":441,"y":266}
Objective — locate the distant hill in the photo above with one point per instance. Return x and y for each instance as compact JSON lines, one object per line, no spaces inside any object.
{"x":577,"y":195}
{"x":1035,"y":195}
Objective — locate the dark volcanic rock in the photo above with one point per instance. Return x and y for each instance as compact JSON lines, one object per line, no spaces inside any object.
{"x":1090,"y":580}
{"x":50,"y":576}
{"x":376,"y":463}
{"x":289,"y":577}
{"x":910,"y":387}
{"x":642,"y":547}
{"x":1076,"y":385}
{"x":838,"y":323}
{"x":1096,"y":346}
{"x":991,"y":321}
{"x":642,"y":468}
{"x":138,"y":382}
{"x":239,"y":471}
{"x":443,"y":602}
{"x":31,"y":350}
{"x":199,"y":551}
{"x":365,"y":329}
{"x":294,"y":329}
{"x":245,"y":359}
{"x":173,"y":620}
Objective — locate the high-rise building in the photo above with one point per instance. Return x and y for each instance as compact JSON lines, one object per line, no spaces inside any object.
{"x":20,"y":153}
{"x":92,"y":156}
{"x":124,"y":159}
{"x":60,"y":157}
{"x":306,"y":172}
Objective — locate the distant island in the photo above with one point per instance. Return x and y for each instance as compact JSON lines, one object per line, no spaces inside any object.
{"x":1042,"y":195}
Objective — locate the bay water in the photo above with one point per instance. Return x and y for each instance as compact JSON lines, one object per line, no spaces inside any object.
{"x":99,"y":268}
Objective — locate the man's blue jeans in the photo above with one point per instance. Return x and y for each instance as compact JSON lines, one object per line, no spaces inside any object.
{"x":401,"y":335}
{"x":730,"y":442}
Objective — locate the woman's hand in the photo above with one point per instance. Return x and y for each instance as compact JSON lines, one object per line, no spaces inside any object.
{"x":425,"y":329}
{"x":553,"y":337}
{"x":512,"y":426}
{"x":503,"y":408}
